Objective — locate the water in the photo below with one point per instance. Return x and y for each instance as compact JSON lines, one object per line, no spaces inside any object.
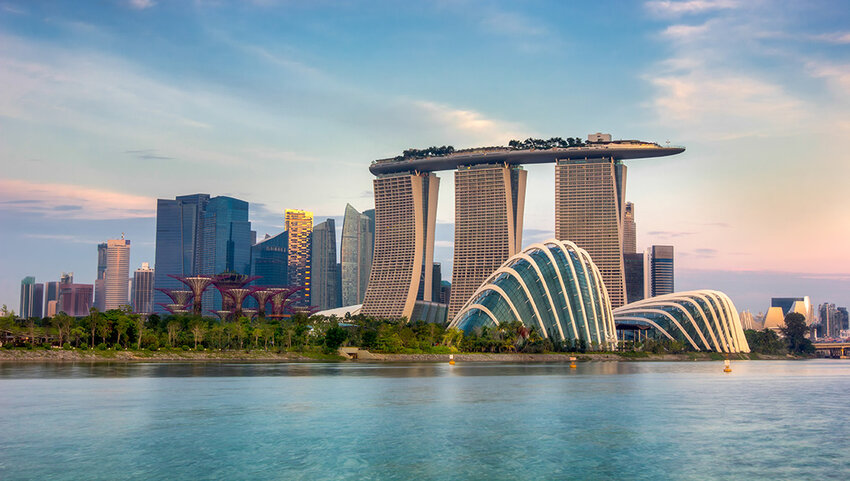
{"x":767,"y":420}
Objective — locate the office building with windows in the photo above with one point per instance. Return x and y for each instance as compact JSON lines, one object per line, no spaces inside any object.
{"x":658,"y":271}
{"x":326,"y":277}
{"x":142,"y":296}
{"x":356,"y":247}
{"x":32,"y":298}
{"x":117,"y":274}
{"x":299,"y":229}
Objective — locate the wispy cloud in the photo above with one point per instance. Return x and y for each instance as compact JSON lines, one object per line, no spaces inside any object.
{"x":668,"y":233}
{"x":147,"y":154}
{"x":63,"y":238}
{"x":72,"y":201}
{"x":671,"y":8}
{"x":472,"y":124}
{"x":142,"y":4}
{"x":840,"y":38}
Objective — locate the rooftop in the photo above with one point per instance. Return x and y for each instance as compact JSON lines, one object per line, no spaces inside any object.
{"x":617,"y":149}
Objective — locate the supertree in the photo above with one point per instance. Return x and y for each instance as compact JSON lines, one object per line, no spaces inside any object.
{"x":229,"y":281}
{"x":197,"y":284}
{"x":281,"y":300}
{"x":263,"y":296}
{"x":175,"y":309}
{"x":179,"y":297}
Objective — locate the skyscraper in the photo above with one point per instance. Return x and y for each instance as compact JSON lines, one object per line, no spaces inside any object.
{"x":358,"y":242}
{"x":116,"y":279}
{"x":75,"y":299}
{"x":633,"y":265}
{"x":589,"y":212}
{"x":143,"y":289}
{"x":196,"y":234}
{"x":99,"y":283}
{"x":269,"y":260}
{"x":66,"y":278}
{"x":325,"y":283}
{"x":629,"y":230}
{"x":32,"y":298}
{"x":405,"y":217}
{"x":51,"y":298}
{"x":658,"y":271}
{"x":489,"y":206}
{"x":299,"y":228}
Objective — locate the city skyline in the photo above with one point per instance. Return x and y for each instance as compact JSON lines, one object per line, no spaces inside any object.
{"x":749,"y":150}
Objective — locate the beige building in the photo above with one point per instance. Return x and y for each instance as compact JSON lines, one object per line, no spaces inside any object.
{"x":405,"y":217}
{"x":489,"y":206}
{"x":589,"y":212}
{"x":117,"y":278}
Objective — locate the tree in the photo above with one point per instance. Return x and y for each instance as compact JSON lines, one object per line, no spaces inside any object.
{"x":198,"y":329}
{"x":94,"y":317}
{"x":174,"y":328}
{"x":334,"y":338}
{"x":795,"y":333}
{"x":122,"y":324}
{"x":139,"y":324}
{"x":62,"y":322}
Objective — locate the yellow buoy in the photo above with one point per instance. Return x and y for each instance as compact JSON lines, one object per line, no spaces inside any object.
{"x":451,"y":359}
{"x":728,"y":368}
{"x":573,"y":362}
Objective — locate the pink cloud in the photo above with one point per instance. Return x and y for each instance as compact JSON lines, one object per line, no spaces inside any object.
{"x":72,"y":201}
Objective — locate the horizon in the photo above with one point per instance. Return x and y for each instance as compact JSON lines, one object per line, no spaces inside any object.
{"x":106,"y":108}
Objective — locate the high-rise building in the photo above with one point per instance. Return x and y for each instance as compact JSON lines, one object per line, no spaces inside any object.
{"x":633,"y":266}
{"x":100,"y":283}
{"x":51,"y":298}
{"x":196,"y":234}
{"x":75,"y":299}
{"x":269,"y":260}
{"x":299,"y":228}
{"x":658,"y":271}
{"x":589,"y":208}
{"x":116,"y":279}
{"x":405,"y":217}
{"x":358,"y":243}
{"x":66,"y":278}
{"x":143,"y":289}
{"x":32,"y":298}
{"x":489,"y":206}
{"x":629,"y":230}
{"x":325,"y":283}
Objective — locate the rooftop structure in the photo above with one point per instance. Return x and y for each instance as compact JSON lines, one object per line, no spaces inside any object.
{"x":618,"y":150}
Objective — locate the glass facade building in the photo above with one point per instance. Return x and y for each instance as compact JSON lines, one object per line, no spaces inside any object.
{"x":299,"y":228}
{"x":32,"y":298}
{"x":658,"y":271}
{"x":553,"y":287}
{"x":269,"y":260}
{"x":703,"y":320}
{"x":325,"y":292}
{"x":358,"y":243}
{"x":196,"y":234}
{"x":142,"y":296}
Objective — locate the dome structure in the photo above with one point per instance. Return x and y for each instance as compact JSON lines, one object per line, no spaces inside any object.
{"x":704,"y":320}
{"x":551,"y":286}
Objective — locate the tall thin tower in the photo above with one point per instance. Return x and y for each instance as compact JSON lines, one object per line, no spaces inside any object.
{"x":489,"y":205}
{"x":405,"y":217}
{"x":589,"y":209}
{"x":629,"y":230}
{"x":358,"y":242}
{"x":299,"y":228}
{"x":116,"y":280}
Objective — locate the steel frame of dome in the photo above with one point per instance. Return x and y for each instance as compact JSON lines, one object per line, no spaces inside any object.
{"x":585,"y":313}
{"x":706,"y":320}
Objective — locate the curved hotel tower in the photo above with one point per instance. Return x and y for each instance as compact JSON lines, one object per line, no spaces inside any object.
{"x":489,"y":204}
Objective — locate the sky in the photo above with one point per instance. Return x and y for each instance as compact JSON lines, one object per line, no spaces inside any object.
{"x":106,"y":106}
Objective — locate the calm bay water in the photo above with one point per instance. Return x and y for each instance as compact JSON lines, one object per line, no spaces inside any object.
{"x":766,"y":420}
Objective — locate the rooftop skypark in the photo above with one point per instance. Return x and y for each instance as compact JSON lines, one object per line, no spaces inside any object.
{"x":528,"y":151}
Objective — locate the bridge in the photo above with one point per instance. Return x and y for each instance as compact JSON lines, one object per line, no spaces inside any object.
{"x":833,"y":349}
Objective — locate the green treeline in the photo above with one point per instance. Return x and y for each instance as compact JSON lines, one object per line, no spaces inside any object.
{"x":793,"y":341}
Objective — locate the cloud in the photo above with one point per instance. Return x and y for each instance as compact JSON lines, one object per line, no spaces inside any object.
{"x":473,"y":124}
{"x":72,"y":201}
{"x":62,"y":238}
{"x":667,"y":233}
{"x":840,"y":38}
{"x":12,"y":9}
{"x":508,"y":23}
{"x":142,"y":4}
{"x":147,"y":154}
{"x":705,"y":252}
{"x":684,"y":31}
{"x":670,"y":8}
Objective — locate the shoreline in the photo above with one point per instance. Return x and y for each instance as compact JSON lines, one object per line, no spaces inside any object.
{"x":72,"y":356}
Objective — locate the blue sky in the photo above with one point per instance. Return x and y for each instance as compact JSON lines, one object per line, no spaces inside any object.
{"x":105,"y":106}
